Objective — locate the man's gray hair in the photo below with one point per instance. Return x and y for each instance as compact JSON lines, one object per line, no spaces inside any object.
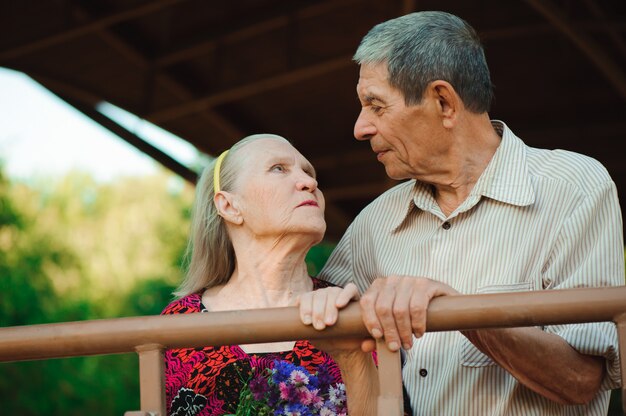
{"x":423,"y":47}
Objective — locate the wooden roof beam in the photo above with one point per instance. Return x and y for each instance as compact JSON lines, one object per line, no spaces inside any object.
{"x":67,"y":89}
{"x":160,"y":78}
{"x":408,"y":6}
{"x":540,"y":29}
{"x":615,"y":36}
{"x":134,"y":140}
{"x":248,"y":32}
{"x":613,"y":72}
{"x":170,"y":84}
{"x":207,"y":46}
{"x":248,"y":90}
{"x":86,"y":28}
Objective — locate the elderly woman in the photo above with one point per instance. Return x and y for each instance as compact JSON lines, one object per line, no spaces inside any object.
{"x":258,"y":211}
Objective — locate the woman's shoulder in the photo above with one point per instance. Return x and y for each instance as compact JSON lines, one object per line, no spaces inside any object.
{"x":188,"y":304}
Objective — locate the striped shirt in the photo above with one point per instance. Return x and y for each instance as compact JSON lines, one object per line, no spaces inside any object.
{"x":535,"y":220}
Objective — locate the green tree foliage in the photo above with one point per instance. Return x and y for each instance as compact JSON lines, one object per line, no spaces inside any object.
{"x":72,"y":250}
{"x":317,"y":256}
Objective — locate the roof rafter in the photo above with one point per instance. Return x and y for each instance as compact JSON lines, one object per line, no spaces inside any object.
{"x":617,"y":39}
{"x":248,"y":90}
{"x":248,"y":32}
{"x":165,"y":80}
{"x":136,"y":141}
{"x":408,"y":6}
{"x":588,"y":46}
{"x":83,"y":29}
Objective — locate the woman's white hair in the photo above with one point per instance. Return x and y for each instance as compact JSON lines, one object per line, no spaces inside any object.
{"x":210,"y":254}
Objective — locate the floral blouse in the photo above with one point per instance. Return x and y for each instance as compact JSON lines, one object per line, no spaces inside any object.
{"x":208,"y":380}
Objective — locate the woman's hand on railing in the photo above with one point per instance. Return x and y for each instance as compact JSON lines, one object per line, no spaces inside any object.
{"x":320,"y":308}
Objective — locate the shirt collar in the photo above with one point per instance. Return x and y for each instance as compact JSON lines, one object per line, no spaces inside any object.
{"x":506,"y":179}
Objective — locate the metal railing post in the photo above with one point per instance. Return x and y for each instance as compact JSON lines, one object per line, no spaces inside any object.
{"x":390,"y":401}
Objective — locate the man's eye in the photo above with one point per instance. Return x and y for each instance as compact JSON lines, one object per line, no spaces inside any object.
{"x":375,"y":109}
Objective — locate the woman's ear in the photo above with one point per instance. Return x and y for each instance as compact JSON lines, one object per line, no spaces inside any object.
{"x":227,"y":207}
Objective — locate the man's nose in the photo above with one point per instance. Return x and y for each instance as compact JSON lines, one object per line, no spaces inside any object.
{"x":363,"y":128}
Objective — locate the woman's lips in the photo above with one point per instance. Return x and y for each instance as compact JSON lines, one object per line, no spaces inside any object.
{"x":309,"y":203}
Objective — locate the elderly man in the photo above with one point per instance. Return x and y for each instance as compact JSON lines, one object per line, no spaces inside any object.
{"x":481,"y":213}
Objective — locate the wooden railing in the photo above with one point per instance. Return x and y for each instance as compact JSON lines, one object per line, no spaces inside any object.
{"x":150,"y":335}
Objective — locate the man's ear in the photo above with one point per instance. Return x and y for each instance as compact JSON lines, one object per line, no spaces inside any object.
{"x":448,"y":102}
{"x":227,"y":207}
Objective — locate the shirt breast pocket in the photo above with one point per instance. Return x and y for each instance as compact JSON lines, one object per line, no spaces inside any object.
{"x":470,"y":355}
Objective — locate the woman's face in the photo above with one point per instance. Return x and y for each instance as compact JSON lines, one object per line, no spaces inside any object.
{"x":277,"y":191}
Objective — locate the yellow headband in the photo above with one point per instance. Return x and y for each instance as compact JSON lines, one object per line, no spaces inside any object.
{"x":216,"y":172}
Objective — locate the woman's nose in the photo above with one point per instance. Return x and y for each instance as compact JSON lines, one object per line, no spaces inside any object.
{"x":307,"y":183}
{"x":363,"y":128}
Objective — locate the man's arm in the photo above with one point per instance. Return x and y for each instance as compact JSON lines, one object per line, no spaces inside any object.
{"x":543,"y":362}
{"x":396,"y":307}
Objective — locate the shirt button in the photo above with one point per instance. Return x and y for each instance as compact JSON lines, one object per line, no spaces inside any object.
{"x":446,"y":225}
{"x":423,"y":372}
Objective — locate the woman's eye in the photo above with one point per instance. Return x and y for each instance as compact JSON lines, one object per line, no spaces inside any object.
{"x":277,"y":168}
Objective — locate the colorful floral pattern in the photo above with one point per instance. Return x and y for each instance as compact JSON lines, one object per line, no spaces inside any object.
{"x":208,"y":380}
{"x":290,"y":390}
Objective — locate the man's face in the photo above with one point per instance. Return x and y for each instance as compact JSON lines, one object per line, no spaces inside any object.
{"x":407,"y":140}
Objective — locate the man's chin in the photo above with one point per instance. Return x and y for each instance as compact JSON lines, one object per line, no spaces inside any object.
{"x":395,"y":174}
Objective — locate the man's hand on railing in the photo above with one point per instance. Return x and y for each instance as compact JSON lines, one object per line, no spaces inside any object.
{"x":396,"y":306}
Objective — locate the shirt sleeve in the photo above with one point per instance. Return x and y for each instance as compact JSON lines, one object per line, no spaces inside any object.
{"x":589,"y":252}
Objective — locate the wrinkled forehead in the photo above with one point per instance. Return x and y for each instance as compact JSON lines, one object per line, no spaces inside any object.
{"x":260,"y":154}
{"x":373,"y":77}
{"x":259,"y":150}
